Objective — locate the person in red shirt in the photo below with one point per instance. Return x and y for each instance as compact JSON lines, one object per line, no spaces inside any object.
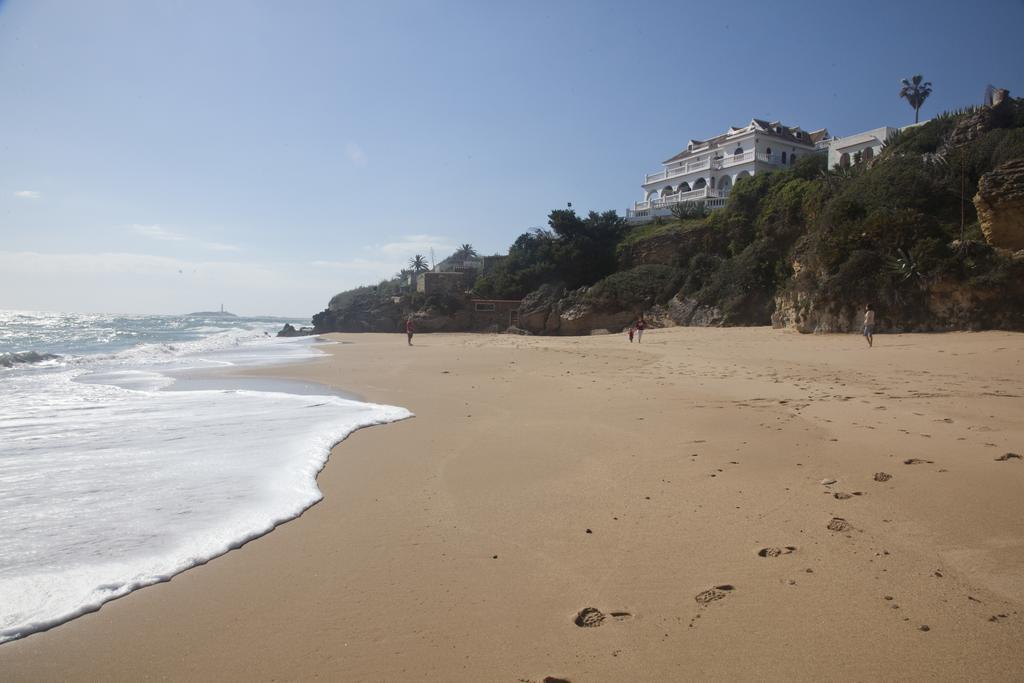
{"x":641,"y":325}
{"x":410,"y":329}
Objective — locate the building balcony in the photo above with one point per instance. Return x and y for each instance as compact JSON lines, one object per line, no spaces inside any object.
{"x":681,"y":169}
{"x":709,"y":163}
{"x":705,"y":194}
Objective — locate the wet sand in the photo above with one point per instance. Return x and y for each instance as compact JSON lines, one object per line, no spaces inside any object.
{"x":679,"y":488}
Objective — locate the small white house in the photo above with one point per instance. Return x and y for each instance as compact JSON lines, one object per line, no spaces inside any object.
{"x":843,"y":152}
{"x":707,"y":169}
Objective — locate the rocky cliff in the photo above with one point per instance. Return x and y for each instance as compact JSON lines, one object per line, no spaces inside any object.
{"x":802,"y":248}
{"x":553,"y":310}
{"x":1000,"y":205}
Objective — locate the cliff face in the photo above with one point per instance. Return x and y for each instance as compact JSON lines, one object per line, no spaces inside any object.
{"x":552,"y":310}
{"x":1000,"y":205}
{"x":669,"y":248}
{"x":365,"y":317}
{"x":948,"y":307}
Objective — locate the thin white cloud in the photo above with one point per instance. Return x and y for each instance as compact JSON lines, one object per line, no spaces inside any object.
{"x":157,"y":232}
{"x":28,"y":194}
{"x":219,"y":246}
{"x":140,"y":282}
{"x":418,"y":244}
{"x":360,"y":264}
{"x":114,"y":262}
{"x":355,"y":154}
{"x":384,"y":260}
{"x":162,"y":234}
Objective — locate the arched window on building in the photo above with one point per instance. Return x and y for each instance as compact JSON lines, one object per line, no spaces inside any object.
{"x":792,"y":158}
{"x":868,"y":153}
{"x":739,"y":151}
{"x":768,"y":151}
{"x":844,"y":160}
{"x":783,"y":157}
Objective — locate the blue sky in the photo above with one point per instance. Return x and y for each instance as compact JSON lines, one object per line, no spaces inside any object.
{"x":170,"y":156}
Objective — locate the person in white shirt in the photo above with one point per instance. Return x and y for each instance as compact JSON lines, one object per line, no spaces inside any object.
{"x":869,"y":325}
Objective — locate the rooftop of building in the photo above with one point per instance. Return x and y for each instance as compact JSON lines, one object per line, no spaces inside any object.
{"x":775,"y":129}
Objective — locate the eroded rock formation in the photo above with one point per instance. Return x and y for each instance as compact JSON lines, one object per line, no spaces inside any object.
{"x":1000,"y":205}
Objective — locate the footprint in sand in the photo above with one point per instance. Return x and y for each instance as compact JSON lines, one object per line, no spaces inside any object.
{"x":1008,"y":456}
{"x":773,"y":551}
{"x":590,"y":617}
{"x":882,"y":476}
{"x":917,"y":461}
{"x":842,"y":495}
{"x":713,"y":594}
{"x":839,"y":524}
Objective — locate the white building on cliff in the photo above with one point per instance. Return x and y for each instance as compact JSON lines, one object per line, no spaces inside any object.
{"x":844,"y":152}
{"x":707,"y":169}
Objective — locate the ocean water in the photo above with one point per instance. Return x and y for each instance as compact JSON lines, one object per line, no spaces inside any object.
{"x":110,"y":481}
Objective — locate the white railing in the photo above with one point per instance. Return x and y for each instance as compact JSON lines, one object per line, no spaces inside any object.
{"x":682,"y":169}
{"x":692,"y":194}
{"x":734,"y":159}
{"x":704,"y":193}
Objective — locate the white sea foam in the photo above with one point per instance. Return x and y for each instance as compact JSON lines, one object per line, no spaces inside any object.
{"x":109,"y":483}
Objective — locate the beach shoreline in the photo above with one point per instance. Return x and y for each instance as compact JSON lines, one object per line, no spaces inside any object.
{"x":544,"y":475}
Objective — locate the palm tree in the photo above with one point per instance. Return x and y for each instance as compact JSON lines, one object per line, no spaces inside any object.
{"x":418,"y":264}
{"x":464,"y":251}
{"x":915,"y":92}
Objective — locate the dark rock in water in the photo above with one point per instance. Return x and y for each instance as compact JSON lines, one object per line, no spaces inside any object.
{"x":8,"y":360}
{"x":289,"y":331}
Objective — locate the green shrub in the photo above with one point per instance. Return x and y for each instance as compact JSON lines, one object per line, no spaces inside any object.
{"x":924,"y":139}
{"x":637,"y":288}
{"x":686,"y":210}
{"x":444,"y":303}
{"x":810,"y":167}
{"x":699,"y":271}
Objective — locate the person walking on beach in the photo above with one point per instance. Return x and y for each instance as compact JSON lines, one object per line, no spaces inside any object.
{"x":869,"y":325}
{"x":632,"y":330}
{"x":410,"y":329}
{"x":641,"y":325}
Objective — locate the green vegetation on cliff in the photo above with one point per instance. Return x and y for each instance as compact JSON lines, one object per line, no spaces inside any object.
{"x":805,"y":247}
{"x":574,"y":252}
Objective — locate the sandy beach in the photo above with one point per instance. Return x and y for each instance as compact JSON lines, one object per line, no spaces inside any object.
{"x":678,"y":486}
